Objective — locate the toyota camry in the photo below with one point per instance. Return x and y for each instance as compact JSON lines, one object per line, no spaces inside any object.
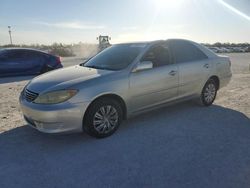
{"x":122,"y":81}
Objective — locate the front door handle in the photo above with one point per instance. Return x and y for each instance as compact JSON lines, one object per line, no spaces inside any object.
{"x":172,"y":73}
{"x":206,"y":66}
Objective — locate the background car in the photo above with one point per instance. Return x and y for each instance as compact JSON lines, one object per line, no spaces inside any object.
{"x":21,"y":61}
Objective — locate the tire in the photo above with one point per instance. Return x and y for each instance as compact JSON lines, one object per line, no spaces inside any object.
{"x":102,"y":118}
{"x":208,"y":93}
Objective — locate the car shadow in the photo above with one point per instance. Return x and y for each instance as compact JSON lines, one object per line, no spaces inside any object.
{"x":5,"y":80}
{"x":182,"y":145}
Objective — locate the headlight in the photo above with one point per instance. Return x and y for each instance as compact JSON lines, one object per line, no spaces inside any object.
{"x":55,"y":97}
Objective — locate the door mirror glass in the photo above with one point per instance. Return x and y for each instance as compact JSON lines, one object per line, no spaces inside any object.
{"x":144,"y":65}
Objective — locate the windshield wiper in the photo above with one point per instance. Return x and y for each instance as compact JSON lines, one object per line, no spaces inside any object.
{"x":92,"y":66}
{"x":96,"y":67}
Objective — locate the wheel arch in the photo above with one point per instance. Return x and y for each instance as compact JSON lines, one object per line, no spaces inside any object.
{"x":116,"y":97}
{"x":217,"y":81}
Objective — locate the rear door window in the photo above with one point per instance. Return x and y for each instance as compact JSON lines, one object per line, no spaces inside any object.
{"x":185,"y":51}
{"x":33,"y":55}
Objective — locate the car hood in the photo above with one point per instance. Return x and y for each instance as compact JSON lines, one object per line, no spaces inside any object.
{"x":64,"y":78}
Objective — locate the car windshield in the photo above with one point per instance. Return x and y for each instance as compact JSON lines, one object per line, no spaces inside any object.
{"x":116,"y":57}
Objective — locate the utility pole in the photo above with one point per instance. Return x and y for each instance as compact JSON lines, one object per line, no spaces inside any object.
{"x":10,"y":35}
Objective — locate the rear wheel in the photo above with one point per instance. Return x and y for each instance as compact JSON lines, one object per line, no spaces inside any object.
{"x":209,"y":93}
{"x":103,"y":118}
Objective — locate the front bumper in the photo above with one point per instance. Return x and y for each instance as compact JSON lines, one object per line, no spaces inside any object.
{"x":57,"y":118}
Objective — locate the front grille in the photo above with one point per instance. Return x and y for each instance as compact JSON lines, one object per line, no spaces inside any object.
{"x":29,"y":95}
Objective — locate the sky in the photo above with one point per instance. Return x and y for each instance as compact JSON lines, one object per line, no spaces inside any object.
{"x":74,"y":21}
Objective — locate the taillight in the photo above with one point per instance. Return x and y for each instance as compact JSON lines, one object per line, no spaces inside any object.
{"x":58,"y":59}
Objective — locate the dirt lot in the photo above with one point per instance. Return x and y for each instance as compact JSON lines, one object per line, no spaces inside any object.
{"x":191,"y":146}
{"x":237,"y":94}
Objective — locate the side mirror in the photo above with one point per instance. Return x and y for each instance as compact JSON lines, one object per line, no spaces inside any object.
{"x":144,"y":65}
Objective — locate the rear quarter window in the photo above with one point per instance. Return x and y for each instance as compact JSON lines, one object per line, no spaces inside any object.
{"x":186,"y":52}
{"x":37,"y":56}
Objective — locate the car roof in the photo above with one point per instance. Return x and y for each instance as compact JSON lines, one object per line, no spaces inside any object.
{"x":27,"y":49}
{"x":156,"y":41}
{"x":205,"y":50}
{"x":141,"y":42}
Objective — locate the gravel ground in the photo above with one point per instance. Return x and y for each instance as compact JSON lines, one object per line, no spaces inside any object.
{"x":237,"y":94}
{"x":183,"y":145}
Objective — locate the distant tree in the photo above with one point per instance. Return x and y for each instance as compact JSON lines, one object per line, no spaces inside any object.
{"x":61,"y":50}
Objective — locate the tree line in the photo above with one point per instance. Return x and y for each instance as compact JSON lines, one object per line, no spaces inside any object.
{"x":68,"y":50}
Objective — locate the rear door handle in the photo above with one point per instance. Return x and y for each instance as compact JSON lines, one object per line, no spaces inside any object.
{"x":172,"y":73}
{"x":206,"y":66}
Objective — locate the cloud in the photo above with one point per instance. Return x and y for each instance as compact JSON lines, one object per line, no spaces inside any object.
{"x":233,"y":9}
{"x":71,"y":25}
{"x":178,"y":26}
{"x":130,"y":28}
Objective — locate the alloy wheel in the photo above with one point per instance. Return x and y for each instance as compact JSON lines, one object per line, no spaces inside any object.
{"x":210,"y":93}
{"x":105,"y":119}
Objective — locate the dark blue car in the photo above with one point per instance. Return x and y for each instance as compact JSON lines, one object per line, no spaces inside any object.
{"x":22,"y":61}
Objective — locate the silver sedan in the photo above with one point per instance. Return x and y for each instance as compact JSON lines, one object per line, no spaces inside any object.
{"x":122,"y":81}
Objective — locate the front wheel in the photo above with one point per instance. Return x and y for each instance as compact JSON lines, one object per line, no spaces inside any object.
{"x":209,"y":93}
{"x":103,"y":118}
